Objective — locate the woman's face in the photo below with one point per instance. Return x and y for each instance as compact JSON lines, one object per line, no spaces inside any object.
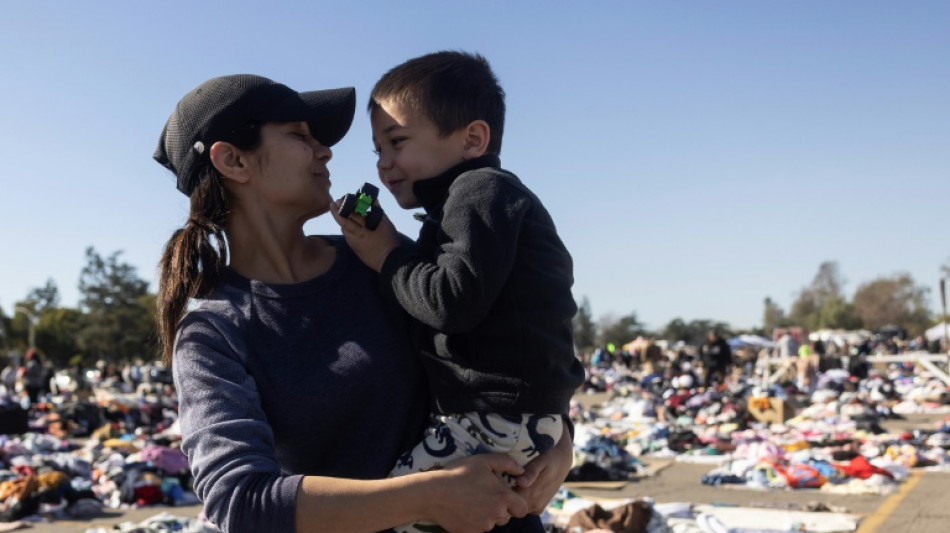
{"x":291,"y":174}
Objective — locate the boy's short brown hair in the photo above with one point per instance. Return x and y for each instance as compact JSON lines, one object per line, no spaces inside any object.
{"x":450,"y":88}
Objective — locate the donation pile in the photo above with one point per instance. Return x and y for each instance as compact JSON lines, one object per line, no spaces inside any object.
{"x":78,"y":457}
{"x":830,"y":438}
{"x":570,"y":513}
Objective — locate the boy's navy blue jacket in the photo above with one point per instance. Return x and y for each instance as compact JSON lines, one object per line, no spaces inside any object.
{"x":489,"y":284}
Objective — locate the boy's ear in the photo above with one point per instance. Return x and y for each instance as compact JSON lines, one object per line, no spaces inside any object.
{"x":477,"y":135}
{"x":229,"y":161}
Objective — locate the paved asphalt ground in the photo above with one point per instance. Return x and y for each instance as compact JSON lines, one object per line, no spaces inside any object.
{"x":922,"y":505}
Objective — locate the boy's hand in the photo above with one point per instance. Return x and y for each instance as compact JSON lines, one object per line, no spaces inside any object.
{"x":371,"y":246}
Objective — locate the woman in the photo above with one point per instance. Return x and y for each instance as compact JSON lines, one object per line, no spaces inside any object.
{"x":297,"y":391}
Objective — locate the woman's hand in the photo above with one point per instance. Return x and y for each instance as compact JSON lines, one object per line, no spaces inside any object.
{"x":544,"y":475}
{"x":472,"y":497}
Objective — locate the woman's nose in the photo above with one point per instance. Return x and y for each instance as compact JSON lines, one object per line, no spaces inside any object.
{"x":321,"y":152}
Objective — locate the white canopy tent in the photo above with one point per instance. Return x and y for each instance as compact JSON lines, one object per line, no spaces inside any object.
{"x":840,"y":336}
{"x":750,"y":340}
{"x":936,"y":332}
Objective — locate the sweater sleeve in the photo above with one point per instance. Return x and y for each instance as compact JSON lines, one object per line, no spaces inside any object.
{"x":453,"y":290}
{"x":227,"y":439}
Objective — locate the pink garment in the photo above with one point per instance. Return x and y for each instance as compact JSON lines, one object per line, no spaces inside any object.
{"x":170,"y":460}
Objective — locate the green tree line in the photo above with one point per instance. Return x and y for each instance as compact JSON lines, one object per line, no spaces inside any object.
{"x":895,"y":300}
{"x":114,"y":321}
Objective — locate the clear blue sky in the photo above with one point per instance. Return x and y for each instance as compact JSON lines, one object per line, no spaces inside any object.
{"x":696,"y":156}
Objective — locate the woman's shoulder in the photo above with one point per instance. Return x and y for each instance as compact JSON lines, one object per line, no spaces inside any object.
{"x":222,"y":315}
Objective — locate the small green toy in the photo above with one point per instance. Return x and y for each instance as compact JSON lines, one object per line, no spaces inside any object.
{"x":362,"y":203}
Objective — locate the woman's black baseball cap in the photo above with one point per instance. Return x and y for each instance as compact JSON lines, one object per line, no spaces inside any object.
{"x":209,"y":112}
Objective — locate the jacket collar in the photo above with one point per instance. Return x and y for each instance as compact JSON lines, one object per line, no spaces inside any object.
{"x":431,"y":192}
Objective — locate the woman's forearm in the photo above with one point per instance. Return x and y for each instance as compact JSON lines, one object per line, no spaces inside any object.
{"x":467,"y":496}
{"x":347,"y":505}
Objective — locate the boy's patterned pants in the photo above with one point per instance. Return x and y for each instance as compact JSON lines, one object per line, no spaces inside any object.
{"x":449,"y":437}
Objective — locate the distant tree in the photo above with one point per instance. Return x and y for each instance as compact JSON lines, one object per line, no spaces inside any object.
{"x":585,"y":332}
{"x":18,"y":327}
{"x":57,"y":333}
{"x":838,"y":313}
{"x":723,"y":328}
{"x":676,"y":330}
{"x":828,"y":282}
{"x":693,"y":332}
{"x":804,"y":311}
{"x":893,"y":300}
{"x":826,"y":289}
{"x":621,"y":331}
{"x":119,"y":323}
{"x":4,"y":333}
{"x":149,"y":326}
{"x":773,"y":316}
{"x":43,"y":298}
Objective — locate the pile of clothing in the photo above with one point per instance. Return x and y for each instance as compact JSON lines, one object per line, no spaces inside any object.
{"x":81,"y":456}
{"x":161,"y":523}
{"x":41,"y":474}
{"x":834,"y":439}
{"x":570,"y":513}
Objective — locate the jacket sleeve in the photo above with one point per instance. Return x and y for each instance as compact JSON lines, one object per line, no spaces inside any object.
{"x":229,"y":444}
{"x":453,"y":290}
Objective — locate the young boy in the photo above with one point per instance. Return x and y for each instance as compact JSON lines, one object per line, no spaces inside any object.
{"x":488,"y":281}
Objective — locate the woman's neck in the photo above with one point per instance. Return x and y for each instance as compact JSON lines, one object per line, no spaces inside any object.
{"x":276,"y":251}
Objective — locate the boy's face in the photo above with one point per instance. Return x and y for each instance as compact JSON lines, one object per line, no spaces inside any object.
{"x":409,"y":149}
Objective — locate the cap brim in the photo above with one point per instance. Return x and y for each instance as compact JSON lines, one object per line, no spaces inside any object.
{"x":329,"y":112}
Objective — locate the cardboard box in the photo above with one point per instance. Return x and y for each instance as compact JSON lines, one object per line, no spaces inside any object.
{"x":770,"y":410}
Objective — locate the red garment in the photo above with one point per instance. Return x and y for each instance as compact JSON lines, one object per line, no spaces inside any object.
{"x":148,"y":495}
{"x":677,"y":399}
{"x":24,"y":470}
{"x":800,"y":475}
{"x":860,"y":468}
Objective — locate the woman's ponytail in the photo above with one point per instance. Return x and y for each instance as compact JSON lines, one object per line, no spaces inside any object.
{"x":194,"y":260}
{"x":196,"y":256}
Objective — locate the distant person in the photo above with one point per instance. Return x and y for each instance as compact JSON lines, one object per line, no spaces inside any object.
{"x":488,"y":281}
{"x":787,"y":346}
{"x":8,"y":379}
{"x":858,"y":361}
{"x":652,"y":378}
{"x":599,"y":359}
{"x":626,"y":357}
{"x":716,"y":357}
{"x":653,"y":354}
{"x":806,"y":367}
{"x":33,"y":375}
